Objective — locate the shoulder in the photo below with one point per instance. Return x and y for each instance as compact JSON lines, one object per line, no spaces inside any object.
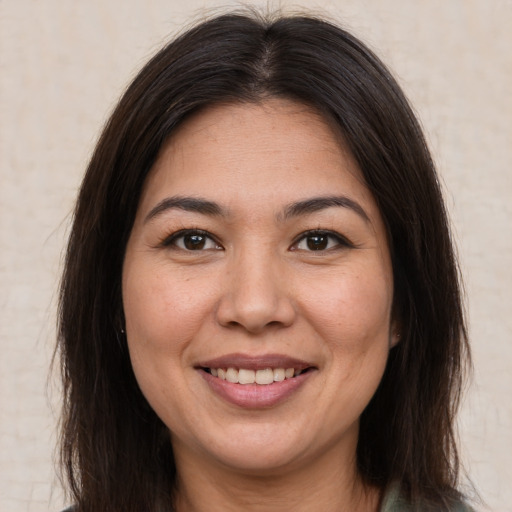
{"x":69,"y":509}
{"x":394,"y":502}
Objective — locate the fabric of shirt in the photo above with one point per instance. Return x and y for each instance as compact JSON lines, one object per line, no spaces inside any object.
{"x":392,"y":502}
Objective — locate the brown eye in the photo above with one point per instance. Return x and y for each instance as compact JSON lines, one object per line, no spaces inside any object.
{"x":317,"y":242}
{"x":194,"y":242}
{"x":321,"y":241}
{"x":191,"y":240}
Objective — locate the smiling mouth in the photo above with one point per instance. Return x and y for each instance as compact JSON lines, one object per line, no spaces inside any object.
{"x":263,"y":377}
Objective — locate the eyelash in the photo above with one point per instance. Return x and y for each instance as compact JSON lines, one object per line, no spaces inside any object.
{"x":172,"y":239}
{"x":340,"y":241}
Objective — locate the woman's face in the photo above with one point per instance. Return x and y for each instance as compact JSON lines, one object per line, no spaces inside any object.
{"x":258,"y":255}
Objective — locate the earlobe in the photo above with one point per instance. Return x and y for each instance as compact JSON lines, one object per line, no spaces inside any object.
{"x":395,"y":335}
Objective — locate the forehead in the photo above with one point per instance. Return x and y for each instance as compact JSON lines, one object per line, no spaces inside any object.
{"x":274,"y":125}
{"x":276,"y":147}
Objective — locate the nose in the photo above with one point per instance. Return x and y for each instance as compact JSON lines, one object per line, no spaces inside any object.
{"x":256,"y":295}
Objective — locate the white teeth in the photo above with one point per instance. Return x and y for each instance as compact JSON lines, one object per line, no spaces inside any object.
{"x":262,"y":377}
{"x":279,"y":374}
{"x":246,"y":376}
{"x":232,"y":375}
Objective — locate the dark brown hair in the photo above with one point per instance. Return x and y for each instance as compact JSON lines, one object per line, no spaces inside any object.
{"x":115,"y":450}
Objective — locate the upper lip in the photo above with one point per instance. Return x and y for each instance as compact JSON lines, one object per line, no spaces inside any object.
{"x":258,"y":362}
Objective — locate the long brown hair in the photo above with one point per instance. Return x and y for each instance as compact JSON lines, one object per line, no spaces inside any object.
{"x":115,"y":450}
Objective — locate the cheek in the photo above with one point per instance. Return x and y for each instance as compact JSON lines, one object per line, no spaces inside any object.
{"x":163,"y":313}
{"x":162,"y":317}
{"x":353,"y":309}
{"x":353,"y":320}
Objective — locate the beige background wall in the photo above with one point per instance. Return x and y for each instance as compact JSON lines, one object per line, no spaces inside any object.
{"x":63,"y":63}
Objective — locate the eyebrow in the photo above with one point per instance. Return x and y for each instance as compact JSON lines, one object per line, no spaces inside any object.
{"x":316,"y":204}
{"x":205,"y":207}
{"x":189,"y":204}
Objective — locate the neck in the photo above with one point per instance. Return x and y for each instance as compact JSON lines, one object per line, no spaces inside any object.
{"x":327,"y":485}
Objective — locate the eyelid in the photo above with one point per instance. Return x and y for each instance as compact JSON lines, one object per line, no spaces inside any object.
{"x":342,"y":241}
{"x":170,"y":239}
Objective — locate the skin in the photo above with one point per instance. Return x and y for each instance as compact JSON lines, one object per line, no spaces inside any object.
{"x":256,"y":287}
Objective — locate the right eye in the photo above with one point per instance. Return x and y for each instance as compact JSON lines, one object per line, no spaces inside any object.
{"x":191,"y":240}
{"x":318,"y":240}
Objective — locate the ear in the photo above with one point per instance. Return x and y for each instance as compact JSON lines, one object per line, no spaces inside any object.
{"x":395,"y":334}
{"x":118,"y":320}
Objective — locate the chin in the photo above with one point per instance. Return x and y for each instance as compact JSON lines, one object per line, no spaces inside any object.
{"x":252,"y":449}
{"x":261,"y":461}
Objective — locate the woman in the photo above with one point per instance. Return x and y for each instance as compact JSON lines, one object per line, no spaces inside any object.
{"x":260,"y":307}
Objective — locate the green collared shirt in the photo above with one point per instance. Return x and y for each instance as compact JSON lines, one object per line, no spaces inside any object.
{"x":394,"y":502}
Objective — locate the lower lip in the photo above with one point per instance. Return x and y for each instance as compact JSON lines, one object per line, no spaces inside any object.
{"x":255,"y":396}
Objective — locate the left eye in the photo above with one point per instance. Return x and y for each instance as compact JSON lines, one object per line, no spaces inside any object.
{"x":319,"y":241}
{"x":192,"y":241}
